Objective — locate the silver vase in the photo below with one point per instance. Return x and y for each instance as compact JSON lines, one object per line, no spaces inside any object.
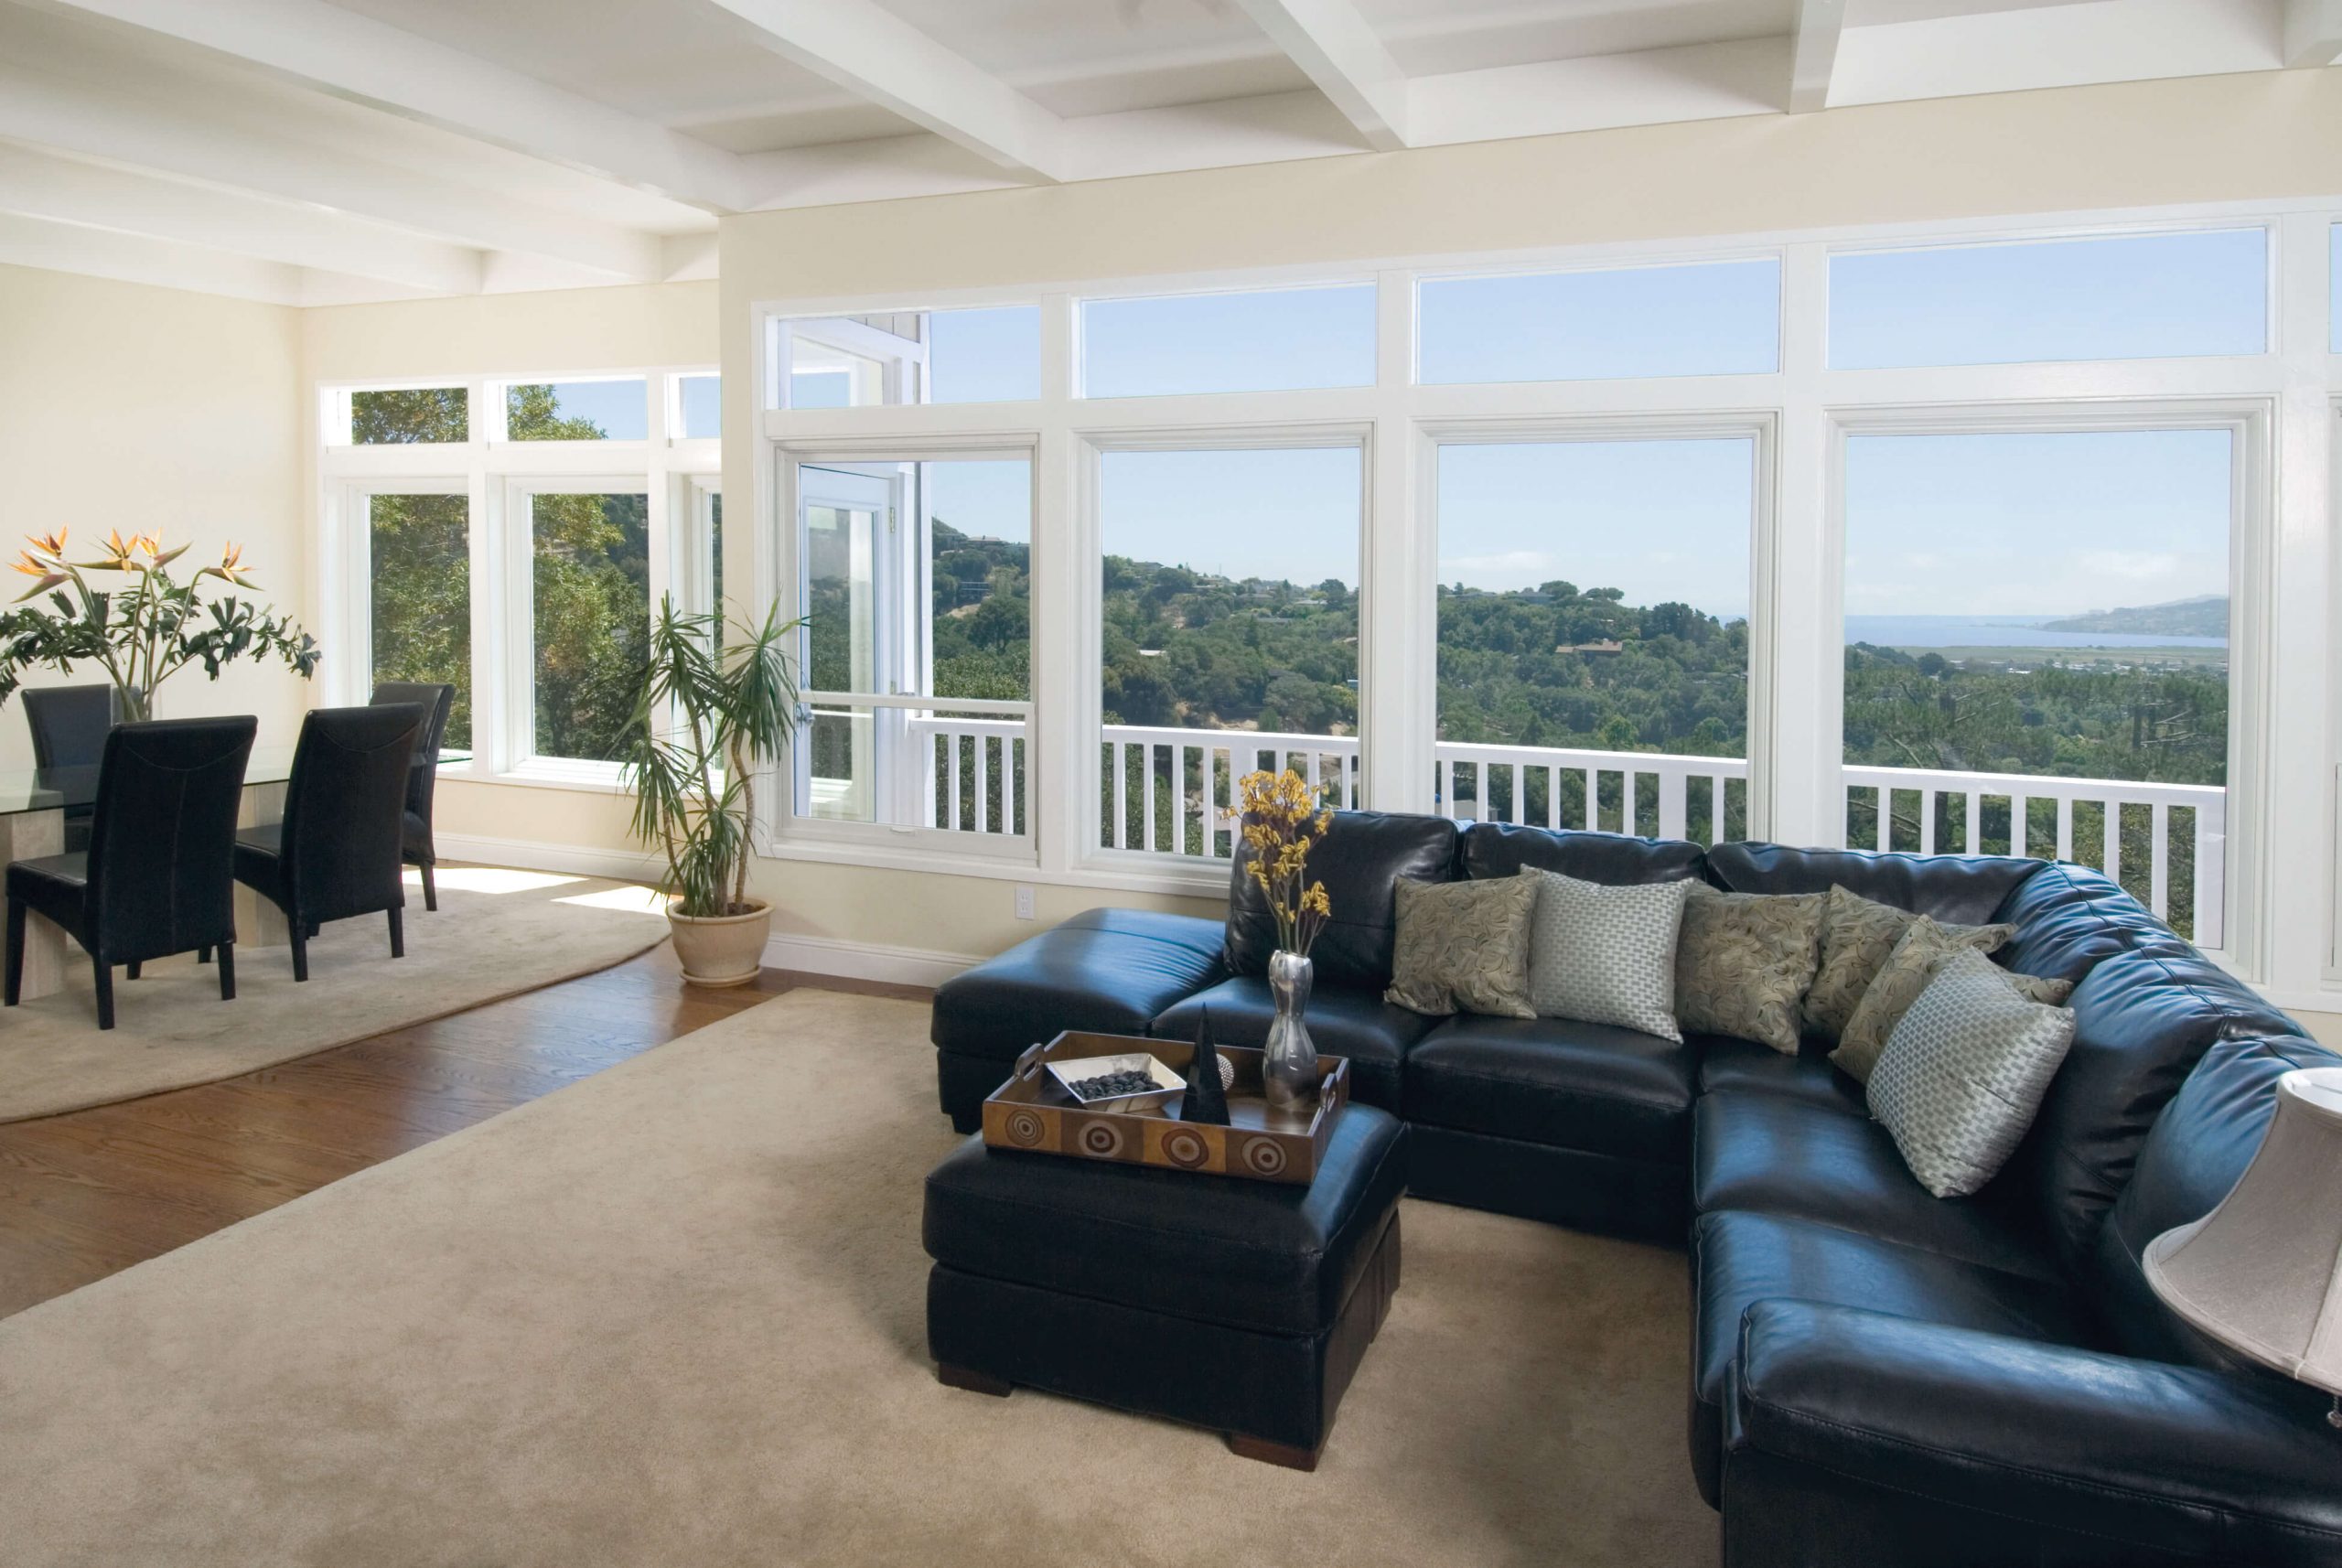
{"x":1289,"y":1065}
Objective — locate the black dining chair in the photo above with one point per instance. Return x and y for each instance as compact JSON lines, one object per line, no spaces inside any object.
{"x":422,"y":773}
{"x":158,"y":877}
{"x":68,"y":726}
{"x":336,"y":855}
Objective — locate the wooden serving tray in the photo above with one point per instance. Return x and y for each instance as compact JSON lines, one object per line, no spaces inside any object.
{"x":1031,"y":1113}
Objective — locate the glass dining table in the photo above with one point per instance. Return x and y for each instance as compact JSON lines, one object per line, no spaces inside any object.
{"x":33,"y":803}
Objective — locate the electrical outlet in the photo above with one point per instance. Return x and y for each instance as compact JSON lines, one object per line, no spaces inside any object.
{"x":1024,"y":902}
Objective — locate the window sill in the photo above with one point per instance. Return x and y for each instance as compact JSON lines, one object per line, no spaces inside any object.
{"x":1178,"y":882}
{"x":584,"y":779}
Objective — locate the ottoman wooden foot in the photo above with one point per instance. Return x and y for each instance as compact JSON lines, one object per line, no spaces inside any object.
{"x":1268,"y":1453}
{"x":975,"y":1382}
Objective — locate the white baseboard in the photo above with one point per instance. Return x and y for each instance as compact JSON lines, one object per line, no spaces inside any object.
{"x":533,"y":854}
{"x":864,"y":960}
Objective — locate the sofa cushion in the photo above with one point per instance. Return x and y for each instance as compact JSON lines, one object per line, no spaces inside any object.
{"x":1743,"y":961}
{"x":1276,"y":1257}
{"x":2198,"y":1149}
{"x":1964,"y":1072}
{"x":1505,"y":848}
{"x":2142,"y":1021}
{"x":1602,"y":954}
{"x":1739,"y":1258}
{"x":1360,"y":859}
{"x":1343,"y":1022}
{"x":1593,"y":1087}
{"x":1106,"y":969}
{"x":1463,"y":947}
{"x":1858,"y":936}
{"x":1743,"y":1067}
{"x":1963,"y":889}
{"x":1768,"y":1154}
{"x":2068,"y":918}
{"x":1908,"y":972}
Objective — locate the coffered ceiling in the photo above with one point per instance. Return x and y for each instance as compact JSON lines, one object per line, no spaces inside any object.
{"x":304,"y":151}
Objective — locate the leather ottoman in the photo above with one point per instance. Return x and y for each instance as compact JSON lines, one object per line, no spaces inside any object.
{"x":1243,"y":1307}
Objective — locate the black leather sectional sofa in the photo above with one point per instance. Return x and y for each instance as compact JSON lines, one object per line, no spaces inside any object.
{"x":1878,"y":1375}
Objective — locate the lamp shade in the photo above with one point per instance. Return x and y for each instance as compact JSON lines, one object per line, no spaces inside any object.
{"x":2262,"y":1273}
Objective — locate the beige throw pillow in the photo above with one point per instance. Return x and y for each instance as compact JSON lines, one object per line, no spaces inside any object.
{"x":1743,"y":963}
{"x":1605,"y":955}
{"x":1857,"y":937}
{"x":1916,"y":960}
{"x":1463,"y":947}
{"x":1963,"y":1074}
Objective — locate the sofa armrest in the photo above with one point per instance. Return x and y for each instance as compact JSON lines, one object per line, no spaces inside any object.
{"x":1851,"y":1426}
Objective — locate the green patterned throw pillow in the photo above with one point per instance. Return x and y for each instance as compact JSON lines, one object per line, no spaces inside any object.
{"x":1605,"y":955}
{"x":1743,"y":963}
{"x":1915,"y":961}
{"x":1463,"y":947}
{"x":1857,"y":937}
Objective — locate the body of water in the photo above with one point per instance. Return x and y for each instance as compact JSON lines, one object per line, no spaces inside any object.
{"x":2005,"y":631}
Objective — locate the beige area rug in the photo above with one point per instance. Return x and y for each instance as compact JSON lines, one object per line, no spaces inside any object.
{"x":674,"y":1315}
{"x":496,"y":933}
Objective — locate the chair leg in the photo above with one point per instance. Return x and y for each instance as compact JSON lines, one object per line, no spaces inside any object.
{"x":398,"y":934}
{"x":132,"y":968}
{"x":203,"y":955}
{"x":227,"y":970}
{"x":300,"y":951}
{"x":104,"y":973}
{"x":15,"y":981}
{"x":430,"y":889}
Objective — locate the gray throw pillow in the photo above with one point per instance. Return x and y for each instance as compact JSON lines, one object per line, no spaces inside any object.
{"x":1906,"y":973}
{"x":1964,"y":1073}
{"x":1744,"y":962}
{"x":1857,"y":935}
{"x":1463,"y":946}
{"x":1605,"y":955}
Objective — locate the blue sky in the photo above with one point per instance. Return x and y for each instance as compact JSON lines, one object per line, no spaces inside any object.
{"x":2034,"y":524}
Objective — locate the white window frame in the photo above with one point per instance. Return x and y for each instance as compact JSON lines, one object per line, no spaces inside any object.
{"x":497,"y":474}
{"x":781,"y":823}
{"x":2285,"y":402}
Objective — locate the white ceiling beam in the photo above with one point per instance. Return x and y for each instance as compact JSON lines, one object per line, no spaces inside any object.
{"x":143,"y":129}
{"x":1336,"y":49}
{"x":1813,"y":53}
{"x":877,"y":56}
{"x":357,"y":59}
{"x":2313,"y":33}
{"x":37,"y":185}
{"x":133,"y":258}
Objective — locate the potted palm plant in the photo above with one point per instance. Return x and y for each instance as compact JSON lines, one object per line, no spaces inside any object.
{"x":711,"y":710}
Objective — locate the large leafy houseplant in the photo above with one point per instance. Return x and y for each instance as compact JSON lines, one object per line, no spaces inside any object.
{"x":144,"y":631}
{"x":714,"y":705}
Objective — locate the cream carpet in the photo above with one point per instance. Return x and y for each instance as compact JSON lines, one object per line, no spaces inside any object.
{"x":496,"y":933}
{"x":674,"y":1315}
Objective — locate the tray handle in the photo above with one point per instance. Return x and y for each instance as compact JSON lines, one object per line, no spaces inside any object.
{"x":1028,"y":1063}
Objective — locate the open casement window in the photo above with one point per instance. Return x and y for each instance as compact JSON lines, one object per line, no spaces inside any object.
{"x":914,"y":660}
{"x":414,"y":536}
{"x":837,"y":362}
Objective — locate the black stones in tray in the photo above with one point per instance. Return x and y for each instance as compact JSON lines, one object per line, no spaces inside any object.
{"x":1108,"y":1086}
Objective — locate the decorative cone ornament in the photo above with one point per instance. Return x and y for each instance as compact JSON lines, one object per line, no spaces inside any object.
{"x":1206,"y":1101}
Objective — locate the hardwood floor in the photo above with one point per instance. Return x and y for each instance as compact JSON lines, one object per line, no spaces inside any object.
{"x":91,"y":1192}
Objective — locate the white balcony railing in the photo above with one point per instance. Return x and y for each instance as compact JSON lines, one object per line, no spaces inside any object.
{"x":2180,"y":830}
{"x":1166,"y":791}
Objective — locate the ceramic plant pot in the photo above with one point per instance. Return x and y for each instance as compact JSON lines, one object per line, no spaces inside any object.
{"x":720,"y":949}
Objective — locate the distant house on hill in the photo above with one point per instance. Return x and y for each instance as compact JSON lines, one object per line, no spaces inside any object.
{"x":1603,"y":645}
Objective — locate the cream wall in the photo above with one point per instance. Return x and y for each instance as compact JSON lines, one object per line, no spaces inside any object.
{"x":2263,"y":136}
{"x":129,"y":407}
{"x":567,"y":331}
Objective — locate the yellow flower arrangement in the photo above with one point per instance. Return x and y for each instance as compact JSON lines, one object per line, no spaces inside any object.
{"x":1280,"y":818}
